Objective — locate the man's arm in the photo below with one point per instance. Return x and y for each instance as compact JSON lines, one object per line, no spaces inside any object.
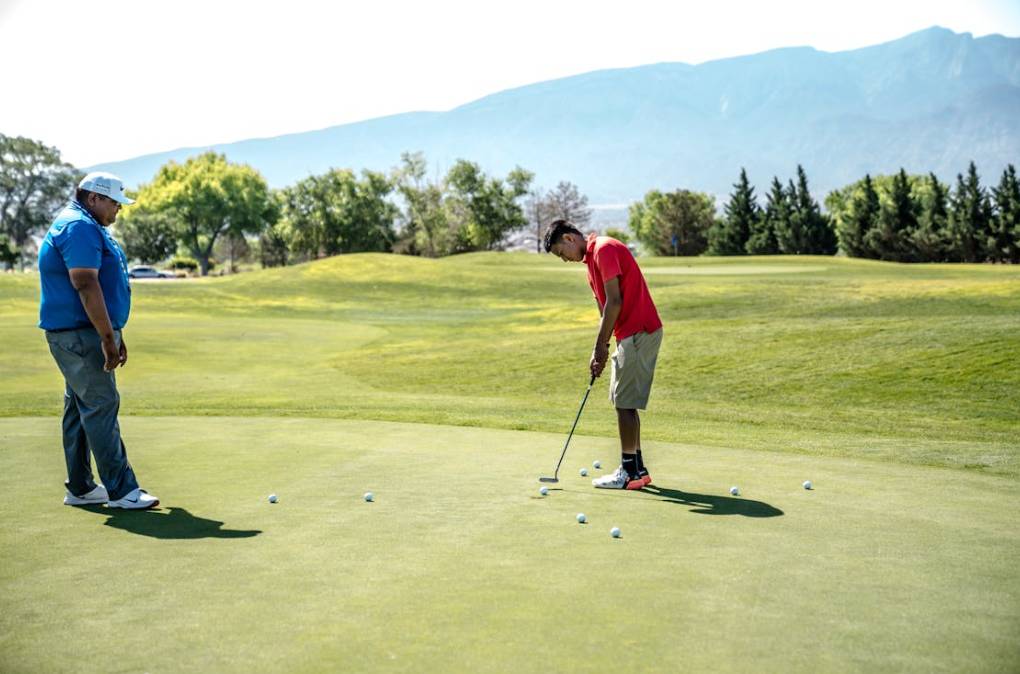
{"x":86,"y":281}
{"x":610,"y":312}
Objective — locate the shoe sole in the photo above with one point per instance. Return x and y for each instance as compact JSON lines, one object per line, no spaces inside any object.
{"x":82,"y":502}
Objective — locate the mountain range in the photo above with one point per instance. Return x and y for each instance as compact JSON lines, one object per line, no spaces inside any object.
{"x":931,"y":101}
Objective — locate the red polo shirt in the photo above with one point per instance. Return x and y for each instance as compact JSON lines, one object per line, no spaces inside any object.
{"x":606,"y":258}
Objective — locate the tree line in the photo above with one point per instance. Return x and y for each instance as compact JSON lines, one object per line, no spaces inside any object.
{"x":898,"y":218}
{"x":208,"y":210}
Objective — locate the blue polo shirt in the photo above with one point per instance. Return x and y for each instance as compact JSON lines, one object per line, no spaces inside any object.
{"x":76,"y":239}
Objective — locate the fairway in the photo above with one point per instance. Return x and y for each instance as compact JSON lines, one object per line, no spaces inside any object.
{"x":446,"y":387}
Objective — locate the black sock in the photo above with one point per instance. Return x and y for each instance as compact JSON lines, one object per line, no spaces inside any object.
{"x":642,"y":471}
{"x":630,"y":465}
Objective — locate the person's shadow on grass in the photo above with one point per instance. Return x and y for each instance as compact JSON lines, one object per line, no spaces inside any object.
{"x":708,"y":504}
{"x":175,"y":523}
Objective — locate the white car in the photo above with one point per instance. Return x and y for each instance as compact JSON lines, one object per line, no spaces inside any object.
{"x":141,"y":271}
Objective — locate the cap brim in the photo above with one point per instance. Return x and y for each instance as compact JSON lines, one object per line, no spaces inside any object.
{"x":123,"y":200}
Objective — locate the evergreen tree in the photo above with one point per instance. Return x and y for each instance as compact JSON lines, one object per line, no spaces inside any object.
{"x":1004,"y":242}
{"x":777,"y":210}
{"x":857,"y":219}
{"x":891,"y":238}
{"x":969,"y":218}
{"x":931,"y":238}
{"x":730,"y":234}
{"x":808,"y":230}
{"x":789,"y":235}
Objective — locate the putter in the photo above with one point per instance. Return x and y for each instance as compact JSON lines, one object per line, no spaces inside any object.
{"x":556,"y":475}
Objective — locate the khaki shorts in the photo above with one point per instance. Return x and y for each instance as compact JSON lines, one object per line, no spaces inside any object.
{"x":633,"y":370}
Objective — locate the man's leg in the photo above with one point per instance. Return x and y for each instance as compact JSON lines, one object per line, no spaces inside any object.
{"x":630,"y":440}
{"x":630,"y":430}
{"x":79,"y":354}
{"x":76,"y":448}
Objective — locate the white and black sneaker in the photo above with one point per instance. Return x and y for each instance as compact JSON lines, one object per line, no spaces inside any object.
{"x":618,"y":480}
{"x":97,"y":496}
{"x":139,"y":499}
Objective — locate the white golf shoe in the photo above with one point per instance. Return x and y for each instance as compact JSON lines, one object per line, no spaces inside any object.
{"x":618,"y":480}
{"x":139,"y":499}
{"x":97,"y":496}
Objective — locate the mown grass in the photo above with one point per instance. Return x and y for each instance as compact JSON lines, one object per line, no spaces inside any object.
{"x":894,"y":388}
{"x":812,"y":355}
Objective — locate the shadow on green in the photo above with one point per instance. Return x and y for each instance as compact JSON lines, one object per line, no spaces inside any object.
{"x":706,"y":504}
{"x":176,"y":524}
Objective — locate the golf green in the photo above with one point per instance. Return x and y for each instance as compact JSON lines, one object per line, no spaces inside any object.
{"x":460,"y":564}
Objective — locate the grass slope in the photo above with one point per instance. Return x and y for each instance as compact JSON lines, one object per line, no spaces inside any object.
{"x":819,"y":356}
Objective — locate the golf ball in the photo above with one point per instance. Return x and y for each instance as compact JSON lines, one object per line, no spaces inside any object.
{"x":369,"y":496}
{"x":272,"y":498}
{"x":734,"y":491}
{"x":615,"y":532}
{"x":584,"y":472}
{"x":581,"y":519}
{"x":807,"y":484}
{"x":543,"y":491}
{"x":597,"y":464}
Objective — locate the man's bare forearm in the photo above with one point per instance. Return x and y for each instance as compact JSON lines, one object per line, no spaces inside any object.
{"x":91,"y":295}
{"x":610,"y":313}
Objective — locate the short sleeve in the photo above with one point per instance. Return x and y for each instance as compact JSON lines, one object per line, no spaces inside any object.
{"x":82,"y":245}
{"x":608,"y":261}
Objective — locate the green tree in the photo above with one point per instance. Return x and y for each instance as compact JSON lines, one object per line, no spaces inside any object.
{"x":762,"y":240}
{"x":970,"y":218}
{"x":730,"y":234}
{"x":148,"y":236}
{"x":854,"y":212}
{"x":891,"y":237}
{"x":673,"y":223}
{"x":618,"y":234}
{"x":34,"y":183}
{"x":337,"y":213}
{"x":1004,"y":240}
{"x":483,"y":210}
{"x":207,"y":197}
{"x":931,"y":238}
{"x":425,"y":228}
{"x":807,"y":230}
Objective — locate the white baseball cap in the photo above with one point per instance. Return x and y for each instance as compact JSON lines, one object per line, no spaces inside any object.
{"x":106,"y":184}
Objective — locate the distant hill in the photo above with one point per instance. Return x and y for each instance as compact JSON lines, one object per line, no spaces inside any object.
{"x":932,"y":100}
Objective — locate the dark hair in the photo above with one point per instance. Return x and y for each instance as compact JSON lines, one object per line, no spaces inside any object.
{"x":81,"y":196}
{"x":555,"y":231}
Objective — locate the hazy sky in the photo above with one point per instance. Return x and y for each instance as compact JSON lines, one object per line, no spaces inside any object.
{"x":116,"y":79}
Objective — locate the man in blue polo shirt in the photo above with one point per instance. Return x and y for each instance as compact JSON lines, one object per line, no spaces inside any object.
{"x":85,"y":301}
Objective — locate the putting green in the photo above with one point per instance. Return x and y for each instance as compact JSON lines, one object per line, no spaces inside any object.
{"x":459,"y":565}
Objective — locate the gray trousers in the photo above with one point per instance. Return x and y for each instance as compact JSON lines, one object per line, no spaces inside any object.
{"x":91,"y":403}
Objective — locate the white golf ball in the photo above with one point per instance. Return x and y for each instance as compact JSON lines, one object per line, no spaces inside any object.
{"x":734,"y":491}
{"x":584,"y":472}
{"x":615,"y":532}
{"x":543,"y":491}
{"x":807,"y":484}
{"x":581,"y":519}
{"x":272,"y":498}
{"x":369,"y":496}
{"x":597,"y":464}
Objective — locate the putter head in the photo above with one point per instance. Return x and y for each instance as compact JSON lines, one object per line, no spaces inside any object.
{"x":548,"y":479}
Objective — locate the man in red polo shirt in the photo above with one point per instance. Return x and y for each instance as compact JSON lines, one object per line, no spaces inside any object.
{"x":629,"y":314}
